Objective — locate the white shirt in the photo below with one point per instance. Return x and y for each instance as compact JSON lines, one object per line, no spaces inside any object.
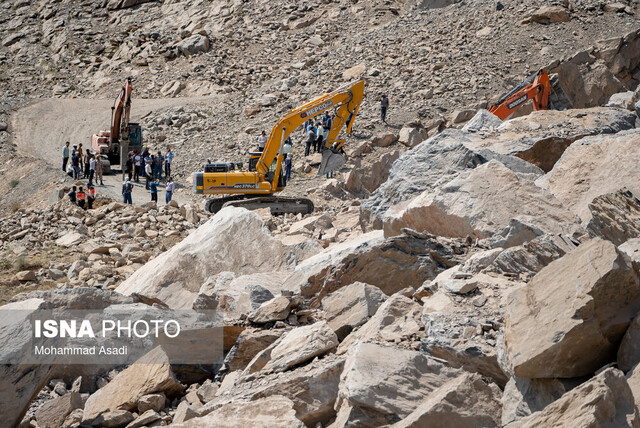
{"x":262,"y":141}
{"x":138,"y":158}
{"x":170,"y":186}
{"x":92,"y":164}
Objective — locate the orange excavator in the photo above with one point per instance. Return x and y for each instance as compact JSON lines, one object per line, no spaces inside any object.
{"x":123,"y":136}
{"x":536,"y":87}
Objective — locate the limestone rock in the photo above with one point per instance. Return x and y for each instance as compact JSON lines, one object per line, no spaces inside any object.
{"x":629,"y":351}
{"x":302,"y":344}
{"x":389,"y":264}
{"x":193,"y":45}
{"x":586,"y":300}
{"x":270,"y":412}
{"x":145,"y":419}
{"x":592,"y":167}
{"x":272,"y":310}
{"x":19,"y":383}
{"x":113,"y":419}
{"x":398,"y":318}
{"x":532,"y":256}
{"x":482,"y":121}
{"x":234,"y":239}
{"x":353,"y":72}
{"x":151,"y":402}
{"x":633,"y":379}
{"x":150,"y":374}
{"x":351,"y":306}
{"x":549,"y":15}
{"x":248,"y":345}
{"x":604,"y":400}
{"x":615,"y":216}
{"x":412,"y":136}
{"x":53,"y":413}
{"x":366,"y":178}
{"x":312,"y":388}
{"x":70,"y":239}
{"x":479,"y":203}
{"x":523,"y":397}
{"x":467,"y":401}
{"x":382,"y":385}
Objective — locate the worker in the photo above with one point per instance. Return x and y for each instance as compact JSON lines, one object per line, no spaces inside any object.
{"x":87,"y":164}
{"x":137,"y":166}
{"x":262,"y":141}
{"x":153,"y":186}
{"x":158,"y":161}
{"x":148,"y":171}
{"x":72,"y":195}
{"x":287,"y":167}
{"x":92,"y":169}
{"x":75,"y":163}
{"x":82,"y":197}
{"x":311,"y":140}
{"x":74,"y":150}
{"x":127,"y":188}
{"x":128,"y":167}
{"x":168,"y":158}
{"x":384,"y":105}
{"x":65,"y":156}
{"x":91,"y":196}
{"x":99,"y":169}
{"x":320,"y":138}
{"x":326,"y":118}
{"x":80,"y":156}
{"x":169,"y":189}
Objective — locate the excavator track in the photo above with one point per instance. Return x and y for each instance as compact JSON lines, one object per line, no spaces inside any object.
{"x":277,"y":204}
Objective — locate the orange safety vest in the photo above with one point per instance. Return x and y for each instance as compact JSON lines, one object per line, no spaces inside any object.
{"x":93,"y":193}
{"x":81,"y":196}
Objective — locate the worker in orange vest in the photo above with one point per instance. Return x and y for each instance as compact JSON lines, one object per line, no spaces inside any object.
{"x":82,"y":197}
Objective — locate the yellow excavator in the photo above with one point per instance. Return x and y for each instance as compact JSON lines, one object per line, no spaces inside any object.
{"x":254,"y":187}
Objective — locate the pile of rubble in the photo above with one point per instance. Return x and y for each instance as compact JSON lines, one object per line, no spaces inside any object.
{"x":98,"y":247}
{"x":491,"y":280}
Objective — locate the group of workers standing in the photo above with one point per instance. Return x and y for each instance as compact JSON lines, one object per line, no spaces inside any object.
{"x":81,"y":164}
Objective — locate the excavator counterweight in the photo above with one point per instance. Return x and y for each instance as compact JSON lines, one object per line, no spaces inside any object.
{"x":255,"y":187}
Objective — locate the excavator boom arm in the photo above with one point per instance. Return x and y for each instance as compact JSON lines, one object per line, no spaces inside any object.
{"x":346,"y":99}
{"x":536,"y":87}
{"x":121,"y":111}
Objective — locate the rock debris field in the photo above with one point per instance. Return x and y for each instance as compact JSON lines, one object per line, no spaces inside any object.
{"x":458,"y":270}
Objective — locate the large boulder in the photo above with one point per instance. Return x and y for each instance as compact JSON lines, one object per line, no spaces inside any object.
{"x":271,"y":412}
{"x":19,"y":383}
{"x":389,"y":264}
{"x":150,"y":374}
{"x":398,"y":318}
{"x":248,"y":345}
{"x":351,"y":306}
{"x":523,"y":397}
{"x":235,"y":239}
{"x":464,"y":402}
{"x":479,"y":203}
{"x":382,"y":385}
{"x":629,"y":351}
{"x":592,"y":167}
{"x":585,"y":300}
{"x":532,"y":256}
{"x":603,"y":401}
{"x":301,"y":345}
{"x":542,"y":136}
{"x":367,"y":177}
{"x":431,"y":163}
{"x":313,"y":389}
{"x":193,"y":45}
{"x":416,"y":170}
{"x":615,"y":216}
{"x":53,"y":413}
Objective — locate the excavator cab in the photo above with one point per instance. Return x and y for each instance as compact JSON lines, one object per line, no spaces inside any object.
{"x":536,"y":87}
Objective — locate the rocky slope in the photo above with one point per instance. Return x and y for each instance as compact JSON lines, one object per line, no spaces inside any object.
{"x":458,"y":271}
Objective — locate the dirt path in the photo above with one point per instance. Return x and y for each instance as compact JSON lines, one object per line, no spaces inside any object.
{"x":41,"y":129}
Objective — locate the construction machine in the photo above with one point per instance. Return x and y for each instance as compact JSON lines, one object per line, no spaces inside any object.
{"x":536,"y":87}
{"x":123,"y":136}
{"x":255,"y":187}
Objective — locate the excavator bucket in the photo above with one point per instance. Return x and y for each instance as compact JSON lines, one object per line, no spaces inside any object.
{"x":331,"y":161}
